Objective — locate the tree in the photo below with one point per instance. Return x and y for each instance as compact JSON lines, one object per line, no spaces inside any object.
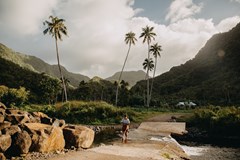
{"x":148,"y":35}
{"x":155,"y":50}
{"x":56,"y":28}
{"x":129,"y":39}
{"x":147,"y":64}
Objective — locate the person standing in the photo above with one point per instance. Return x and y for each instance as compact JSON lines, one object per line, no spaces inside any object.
{"x":125,"y":128}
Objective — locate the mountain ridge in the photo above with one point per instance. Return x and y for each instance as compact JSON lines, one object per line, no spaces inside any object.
{"x":36,"y":64}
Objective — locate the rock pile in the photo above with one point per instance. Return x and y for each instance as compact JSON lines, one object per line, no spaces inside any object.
{"x":22,"y":132}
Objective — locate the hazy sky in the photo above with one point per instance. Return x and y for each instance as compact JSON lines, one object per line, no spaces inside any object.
{"x":96,"y":30}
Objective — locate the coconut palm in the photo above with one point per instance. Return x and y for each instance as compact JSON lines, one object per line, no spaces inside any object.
{"x":148,"y":64}
{"x":155,"y":50}
{"x":129,"y":39}
{"x":56,"y":28}
{"x":147,"y":36}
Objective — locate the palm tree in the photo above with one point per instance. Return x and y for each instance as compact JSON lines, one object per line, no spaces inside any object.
{"x":129,"y":39}
{"x":155,"y":50}
{"x":148,"y":64}
{"x":56,"y":28}
{"x":148,"y":35}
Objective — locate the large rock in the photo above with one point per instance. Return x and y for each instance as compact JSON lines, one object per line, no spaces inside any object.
{"x":17,"y":118}
{"x":5,"y":142}
{"x":78,"y":136}
{"x":11,"y":130}
{"x":45,"y":138}
{"x":58,"y":123}
{"x":43,"y":117}
{"x":21,"y":142}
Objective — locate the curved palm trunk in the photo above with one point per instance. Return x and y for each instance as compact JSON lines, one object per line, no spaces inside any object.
{"x":148,"y":100}
{"x":155,"y":67}
{"x":60,"y":70}
{"x":121,"y":74}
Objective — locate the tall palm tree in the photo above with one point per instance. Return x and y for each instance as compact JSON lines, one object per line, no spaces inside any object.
{"x":129,"y":39}
{"x":148,"y":35}
{"x":56,"y":28}
{"x":147,"y":64}
{"x":155,"y":50}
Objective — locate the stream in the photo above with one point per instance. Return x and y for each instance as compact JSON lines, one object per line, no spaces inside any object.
{"x":196,"y":151}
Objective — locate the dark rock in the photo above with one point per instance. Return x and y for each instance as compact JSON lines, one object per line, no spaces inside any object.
{"x":21,"y":142}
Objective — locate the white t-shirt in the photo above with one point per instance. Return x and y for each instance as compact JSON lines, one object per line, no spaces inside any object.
{"x":125,"y":121}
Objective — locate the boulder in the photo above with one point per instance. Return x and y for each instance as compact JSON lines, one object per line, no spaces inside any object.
{"x":43,"y":117}
{"x":58,"y":123}
{"x":11,"y":130}
{"x":21,"y":142}
{"x":5,"y":142}
{"x":14,"y":111}
{"x":2,"y":157}
{"x":17,"y":118}
{"x":78,"y":136}
{"x":4,"y":125}
{"x":45,"y":138}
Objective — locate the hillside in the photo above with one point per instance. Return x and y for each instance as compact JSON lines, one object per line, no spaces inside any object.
{"x":212,"y":77}
{"x":132,"y":77}
{"x":37,"y":65}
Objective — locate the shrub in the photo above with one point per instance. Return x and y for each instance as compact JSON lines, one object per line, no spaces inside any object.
{"x":12,"y":96}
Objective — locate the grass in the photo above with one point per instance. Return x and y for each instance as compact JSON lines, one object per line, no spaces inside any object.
{"x":93,"y":112}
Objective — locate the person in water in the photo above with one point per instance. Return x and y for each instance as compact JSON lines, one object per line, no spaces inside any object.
{"x":125,"y":128}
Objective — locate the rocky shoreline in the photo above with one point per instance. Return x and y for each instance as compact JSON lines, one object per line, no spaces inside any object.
{"x":23,"y":134}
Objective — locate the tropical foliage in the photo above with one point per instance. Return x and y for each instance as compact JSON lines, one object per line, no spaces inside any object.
{"x":218,"y":120}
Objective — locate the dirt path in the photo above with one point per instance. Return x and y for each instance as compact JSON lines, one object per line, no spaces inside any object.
{"x":167,"y":117}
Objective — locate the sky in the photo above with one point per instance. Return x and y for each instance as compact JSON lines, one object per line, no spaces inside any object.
{"x":96,"y":30}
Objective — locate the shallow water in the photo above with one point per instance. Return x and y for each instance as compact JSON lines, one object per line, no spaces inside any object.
{"x":212,"y":152}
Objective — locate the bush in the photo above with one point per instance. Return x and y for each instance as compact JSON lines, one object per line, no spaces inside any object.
{"x":13,"y":97}
{"x":218,"y":120}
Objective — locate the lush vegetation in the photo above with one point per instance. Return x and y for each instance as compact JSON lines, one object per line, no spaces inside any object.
{"x":94,"y":112}
{"x":219,"y":121}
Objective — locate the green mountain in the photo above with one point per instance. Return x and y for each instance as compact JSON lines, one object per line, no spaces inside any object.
{"x":132,"y":77}
{"x":37,"y":65}
{"x":212,"y":77}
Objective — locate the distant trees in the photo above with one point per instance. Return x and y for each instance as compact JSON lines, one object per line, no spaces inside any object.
{"x":129,"y":39}
{"x":148,"y":35}
{"x":56,"y":28}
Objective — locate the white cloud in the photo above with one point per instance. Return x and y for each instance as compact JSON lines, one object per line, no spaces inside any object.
{"x":228,"y":23}
{"x":24,"y":17}
{"x":180,"y":9}
{"x":96,"y":28}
